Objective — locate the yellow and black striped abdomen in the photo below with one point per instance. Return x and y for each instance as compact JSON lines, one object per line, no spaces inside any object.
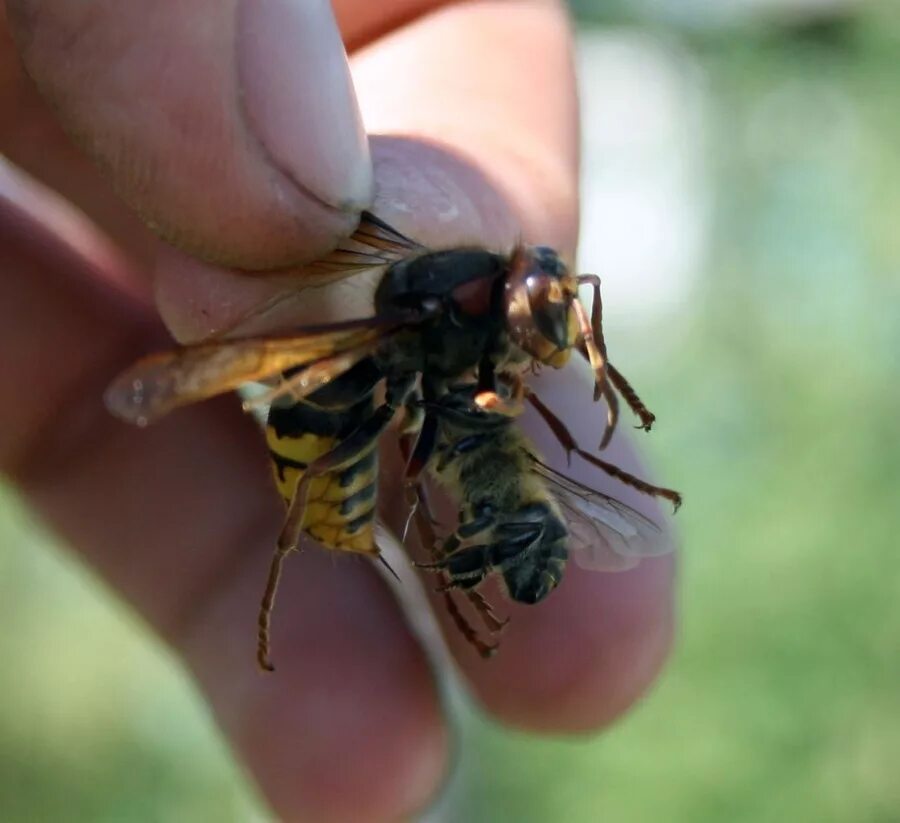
{"x":340,"y":508}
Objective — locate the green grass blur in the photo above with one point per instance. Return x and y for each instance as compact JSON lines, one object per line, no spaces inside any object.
{"x":778,"y":396}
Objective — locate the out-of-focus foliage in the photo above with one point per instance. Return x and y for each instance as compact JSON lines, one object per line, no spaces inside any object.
{"x":774,"y":373}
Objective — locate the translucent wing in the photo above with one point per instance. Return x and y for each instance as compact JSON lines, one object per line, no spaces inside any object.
{"x":159,"y":383}
{"x":373,"y":244}
{"x":605,"y":534}
{"x":162,"y":382}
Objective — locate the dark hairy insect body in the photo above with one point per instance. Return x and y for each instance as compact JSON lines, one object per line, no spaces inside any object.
{"x":340,"y":501}
{"x":509,"y":522}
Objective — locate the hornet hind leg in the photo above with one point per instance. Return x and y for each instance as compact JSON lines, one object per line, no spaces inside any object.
{"x":348,"y":452}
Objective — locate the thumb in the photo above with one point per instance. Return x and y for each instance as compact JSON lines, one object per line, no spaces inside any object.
{"x":231,"y":126}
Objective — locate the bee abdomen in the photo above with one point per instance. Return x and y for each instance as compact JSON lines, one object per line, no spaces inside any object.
{"x":536,"y":577}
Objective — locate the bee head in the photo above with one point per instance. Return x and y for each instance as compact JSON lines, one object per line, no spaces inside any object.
{"x":540,"y":303}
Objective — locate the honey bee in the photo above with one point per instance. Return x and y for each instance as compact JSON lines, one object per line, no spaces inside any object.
{"x":439,"y":317}
{"x":519,"y":518}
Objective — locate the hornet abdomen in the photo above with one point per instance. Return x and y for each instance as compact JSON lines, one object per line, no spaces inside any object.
{"x":340,"y":508}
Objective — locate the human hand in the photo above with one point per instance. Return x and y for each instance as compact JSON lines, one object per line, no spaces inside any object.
{"x":232,"y":129}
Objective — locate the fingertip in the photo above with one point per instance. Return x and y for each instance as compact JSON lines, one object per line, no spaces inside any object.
{"x":583,"y":657}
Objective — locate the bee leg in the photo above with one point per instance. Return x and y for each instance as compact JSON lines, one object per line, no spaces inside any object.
{"x":265,"y":611}
{"x":630,"y":480}
{"x":488,"y":616}
{"x":612,"y":414}
{"x":424,"y":525}
{"x":556,"y":426}
{"x":449,"y":550}
{"x":486,"y":650}
{"x":451,"y":546}
{"x":568,"y":442}
{"x":596,"y":330}
{"x":466,"y":567}
{"x":364,"y":438}
{"x":596,"y":349}
{"x":634,"y":402}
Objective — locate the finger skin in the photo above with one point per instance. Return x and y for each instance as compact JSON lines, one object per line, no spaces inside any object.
{"x":245,"y":104}
{"x":181,"y":518}
{"x":455,"y":79}
{"x":417,"y":183}
{"x":361,"y":21}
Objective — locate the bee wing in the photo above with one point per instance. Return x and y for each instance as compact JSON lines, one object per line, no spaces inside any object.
{"x":605,"y":534}
{"x":161,"y":382}
{"x":373,"y":244}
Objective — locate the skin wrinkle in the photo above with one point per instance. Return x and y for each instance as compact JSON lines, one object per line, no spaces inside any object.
{"x":290,"y":212}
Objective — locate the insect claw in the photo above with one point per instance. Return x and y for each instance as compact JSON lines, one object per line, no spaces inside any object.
{"x":607,"y":437}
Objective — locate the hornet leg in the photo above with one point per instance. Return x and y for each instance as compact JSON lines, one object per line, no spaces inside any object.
{"x":568,"y":442}
{"x":345,"y":454}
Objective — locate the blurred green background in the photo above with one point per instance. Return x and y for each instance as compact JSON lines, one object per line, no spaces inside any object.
{"x":742,"y":201}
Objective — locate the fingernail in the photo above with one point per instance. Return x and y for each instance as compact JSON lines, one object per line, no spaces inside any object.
{"x":298,"y":99}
